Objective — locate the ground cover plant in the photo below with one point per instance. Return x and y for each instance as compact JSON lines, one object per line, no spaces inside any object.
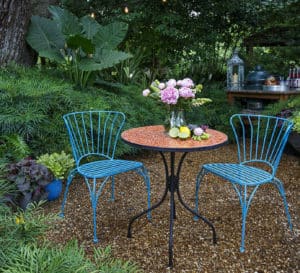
{"x":24,"y":248}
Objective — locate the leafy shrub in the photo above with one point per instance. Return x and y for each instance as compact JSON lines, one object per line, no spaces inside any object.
{"x":33,"y":102}
{"x":30,"y":179}
{"x":58,"y":164}
{"x":286,"y":109}
{"x":23,"y":248}
{"x":68,"y":259}
{"x":296,"y":119}
{"x":13,"y":147}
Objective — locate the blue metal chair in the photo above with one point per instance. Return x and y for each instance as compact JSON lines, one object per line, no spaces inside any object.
{"x":260,"y":143}
{"x":93,"y":137}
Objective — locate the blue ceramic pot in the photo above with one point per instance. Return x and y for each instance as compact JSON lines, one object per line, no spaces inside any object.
{"x":54,"y":189}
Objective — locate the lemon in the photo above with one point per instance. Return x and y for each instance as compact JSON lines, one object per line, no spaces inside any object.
{"x":183,"y":135}
{"x":174,"y":132}
{"x":185,"y":131}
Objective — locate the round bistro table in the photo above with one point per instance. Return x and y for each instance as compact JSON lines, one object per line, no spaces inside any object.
{"x":156,"y":139}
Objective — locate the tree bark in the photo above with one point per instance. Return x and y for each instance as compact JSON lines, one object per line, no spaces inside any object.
{"x":14,"y":20}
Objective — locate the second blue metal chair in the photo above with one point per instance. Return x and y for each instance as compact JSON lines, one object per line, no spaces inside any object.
{"x":260,"y":143}
{"x":93,"y":137}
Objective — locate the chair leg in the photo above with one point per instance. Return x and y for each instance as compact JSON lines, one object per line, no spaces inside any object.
{"x":245,"y":199}
{"x":94,"y":207}
{"x":69,"y":181}
{"x":199,"y":178}
{"x":112,"y":189}
{"x":144,"y":173}
{"x":244,"y":218}
{"x":280,"y":188}
{"x":94,"y":196}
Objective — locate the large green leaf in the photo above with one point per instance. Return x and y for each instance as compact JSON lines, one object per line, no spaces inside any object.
{"x":67,"y":22}
{"x":53,"y":55}
{"x":104,"y":59}
{"x":110,"y":36}
{"x":90,"y":26}
{"x":77,"y":41}
{"x":43,"y":34}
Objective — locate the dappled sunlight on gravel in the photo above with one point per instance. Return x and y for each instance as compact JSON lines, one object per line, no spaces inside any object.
{"x":270,"y":246}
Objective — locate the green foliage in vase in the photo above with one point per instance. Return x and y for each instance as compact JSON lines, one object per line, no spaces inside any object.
{"x":58,"y":163}
{"x":79,"y":46}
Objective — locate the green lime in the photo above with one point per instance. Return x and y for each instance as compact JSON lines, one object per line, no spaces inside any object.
{"x":205,"y":136}
{"x":174,"y":132}
{"x":184,"y":135}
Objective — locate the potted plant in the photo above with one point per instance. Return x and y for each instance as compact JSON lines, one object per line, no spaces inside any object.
{"x":30,"y":179}
{"x":59,"y":164}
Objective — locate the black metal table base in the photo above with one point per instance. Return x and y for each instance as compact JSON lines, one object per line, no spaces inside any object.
{"x":172,"y":186}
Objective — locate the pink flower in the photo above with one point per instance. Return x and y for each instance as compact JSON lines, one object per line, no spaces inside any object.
{"x":198,"y":131}
{"x":171,"y":83}
{"x":169,"y":95}
{"x":161,"y":86}
{"x":146,"y":92}
{"x":187,"y":82}
{"x":186,"y":92}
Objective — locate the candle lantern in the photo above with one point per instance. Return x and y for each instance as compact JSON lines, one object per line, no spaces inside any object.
{"x":235,"y":72}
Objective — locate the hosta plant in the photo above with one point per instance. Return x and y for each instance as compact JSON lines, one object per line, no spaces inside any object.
{"x":30,"y":178}
{"x":58,"y":163}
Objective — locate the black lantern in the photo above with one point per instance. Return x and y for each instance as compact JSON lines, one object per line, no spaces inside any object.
{"x":235,"y":72}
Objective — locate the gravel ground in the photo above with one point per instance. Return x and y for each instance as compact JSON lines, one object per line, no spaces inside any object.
{"x":270,"y":245}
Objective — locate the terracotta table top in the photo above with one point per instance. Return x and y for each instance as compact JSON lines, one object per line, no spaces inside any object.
{"x":155,"y":138}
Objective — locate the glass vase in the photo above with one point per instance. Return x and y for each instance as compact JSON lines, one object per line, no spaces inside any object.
{"x":177,"y":118}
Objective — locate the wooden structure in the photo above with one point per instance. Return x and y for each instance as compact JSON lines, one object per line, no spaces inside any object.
{"x":232,"y":95}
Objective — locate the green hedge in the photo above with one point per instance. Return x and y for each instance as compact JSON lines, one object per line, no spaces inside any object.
{"x":33,"y":102}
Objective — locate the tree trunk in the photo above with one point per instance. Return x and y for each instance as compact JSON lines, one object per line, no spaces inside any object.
{"x":14,"y":19}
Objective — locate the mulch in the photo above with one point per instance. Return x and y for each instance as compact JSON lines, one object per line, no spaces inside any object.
{"x":270,"y":245}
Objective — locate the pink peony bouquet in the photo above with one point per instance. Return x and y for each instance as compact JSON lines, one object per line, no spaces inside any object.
{"x":178,"y":95}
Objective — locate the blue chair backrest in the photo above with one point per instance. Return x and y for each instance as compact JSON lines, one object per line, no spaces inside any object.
{"x":260,"y":138}
{"x":94,"y":133}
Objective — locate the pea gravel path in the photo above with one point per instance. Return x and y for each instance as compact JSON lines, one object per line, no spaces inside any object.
{"x":270,"y":246}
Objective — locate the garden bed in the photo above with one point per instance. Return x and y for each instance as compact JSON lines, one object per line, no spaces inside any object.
{"x":270,"y":246}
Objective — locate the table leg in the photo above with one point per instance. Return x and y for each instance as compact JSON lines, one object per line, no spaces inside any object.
{"x":172,"y":185}
{"x":167,"y":187}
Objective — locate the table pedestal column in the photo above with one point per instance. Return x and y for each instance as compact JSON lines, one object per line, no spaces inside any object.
{"x":172,"y":186}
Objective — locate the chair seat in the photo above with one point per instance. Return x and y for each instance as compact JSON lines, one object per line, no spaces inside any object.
{"x":104,"y":168}
{"x":240,"y":174}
